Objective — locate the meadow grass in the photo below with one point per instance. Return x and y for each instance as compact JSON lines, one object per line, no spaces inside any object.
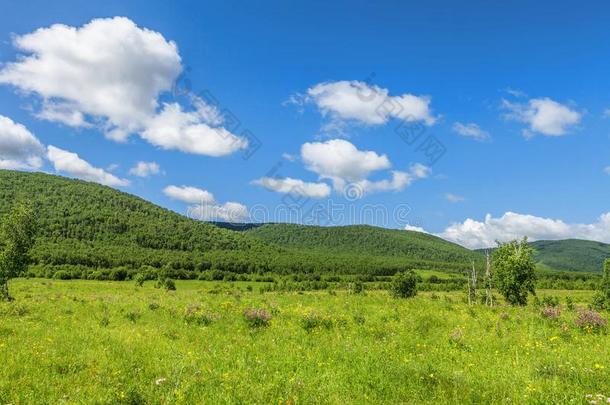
{"x":111,"y":342}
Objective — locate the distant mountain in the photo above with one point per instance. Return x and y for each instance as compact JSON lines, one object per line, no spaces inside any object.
{"x":571,"y":254}
{"x":364,"y":240}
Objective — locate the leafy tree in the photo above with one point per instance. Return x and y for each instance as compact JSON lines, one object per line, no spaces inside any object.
{"x":514,"y":271}
{"x":17,"y":235}
{"x":404,"y":285}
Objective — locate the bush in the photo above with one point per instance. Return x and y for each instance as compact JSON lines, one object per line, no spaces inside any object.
{"x":599,"y":301}
{"x":195,"y":315}
{"x":62,"y":275}
{"x":404,"y":285}
{"x":312,"y":321}
{"x":257,"y":318}
{"x":551,"y":313}
{"x":590,"y":321}
{"x":357,"y":287}
{"x":514,"y":271}
{"x":140,"y":278}
{"x":170,"y":285}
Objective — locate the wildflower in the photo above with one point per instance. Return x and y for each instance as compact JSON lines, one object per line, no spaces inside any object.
{"x":160,"y":381}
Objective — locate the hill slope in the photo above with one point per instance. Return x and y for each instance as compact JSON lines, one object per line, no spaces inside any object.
{"x":364,"y":239}
{"x":571,"y":254}
{"x":88,"y":225}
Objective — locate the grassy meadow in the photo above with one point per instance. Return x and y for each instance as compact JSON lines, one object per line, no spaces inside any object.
{"x":98,"y":342}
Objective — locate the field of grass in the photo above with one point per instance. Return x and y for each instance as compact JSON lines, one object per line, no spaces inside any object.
{"x":111,"y":342}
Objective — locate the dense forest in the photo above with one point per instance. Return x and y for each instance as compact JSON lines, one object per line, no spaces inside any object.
{"x":87,"y":229}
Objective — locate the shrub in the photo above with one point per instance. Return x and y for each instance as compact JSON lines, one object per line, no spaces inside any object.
{"x":257,"y":318}
{"x":140,"y":278}
{"x":62,"y":275}
{"x":404,"y":285}
{"x":551,"y":313}
{"x":590,"y":321}
{"x":312,"y":321}
{"x":357,"y":287}
{"x":169,"y":285}
{"x":514,"y":271}
{"x":132,"y":316}
{"x":570,"y":303}
{"x":550,"y":301}
{"x":599,"y":301}
{"x":118,"y":274}
{"x":194,"y":314}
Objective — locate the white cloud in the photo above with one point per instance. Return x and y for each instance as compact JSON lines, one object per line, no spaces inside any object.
{"x":71,"y":163}
{"x":471,"y":131}
{"x":108,"y":70}
{"x":187,"y":194}
{"x":476,"y":234}
{"x":229,"y":212}
{"x":414,"y":228}
{"x":349,"y":168}
{"x":109,"y":73}
{"x":454,"y":198}
{"x":145,"y":169}
{"x":607,"y":169}
{"x":338,"y":158}
{"x":543,"y":115}
{"x":289,"y":157}
{"x":399,"y":181}
{"x":19,"y":148}
{"x":204,"y":206}
{"x":295,"y":187}
{"x":189,"y":132}
{"x":367,"y":104}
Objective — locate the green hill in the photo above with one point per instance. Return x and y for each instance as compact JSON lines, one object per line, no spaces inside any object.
{"x":571,"y":254}
{"x":87,"y":226}
{"x":364,"y":239}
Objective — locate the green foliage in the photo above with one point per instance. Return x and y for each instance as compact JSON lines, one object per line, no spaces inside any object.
{"x":363,"y":239}
{"x":139,"y":279}
{"x":571,"y":254}
{"x":404,"y":285}
{"x":17,"y":233}
{"x":513,"y":269}
{"x":100,"y":228}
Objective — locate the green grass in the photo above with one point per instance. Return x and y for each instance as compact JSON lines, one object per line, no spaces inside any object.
{"x":110,"y":342}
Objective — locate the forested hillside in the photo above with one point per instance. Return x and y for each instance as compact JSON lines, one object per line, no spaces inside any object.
{"x":358,"y":239}
{"x":85,"y":226}
{"x":571,"y":254}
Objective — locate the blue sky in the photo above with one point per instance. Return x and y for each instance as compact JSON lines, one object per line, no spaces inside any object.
{"x":526,"y":85}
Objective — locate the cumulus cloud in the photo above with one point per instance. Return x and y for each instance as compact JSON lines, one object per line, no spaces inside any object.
{"x":349,"y":168}
{"x":19,"y":148}
{"x":204,"y":206}
{"x":109,"y":69}
{"x":471,"y":131}
{"x":479,"y":234}
{"x":338,"y":158}
{"x":145,"y":169}
{"x":189,"y":132}
{"x":543,"y":116}
{"x":454,"y":198}
{"x":187,"y":194}
{"x":294,"y":186}
{"x":109,"y":73}
{"x":72,"y":164}
{"x":398,"y":181}
{"x":229,"y":212}
{"x":360,"y":102}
